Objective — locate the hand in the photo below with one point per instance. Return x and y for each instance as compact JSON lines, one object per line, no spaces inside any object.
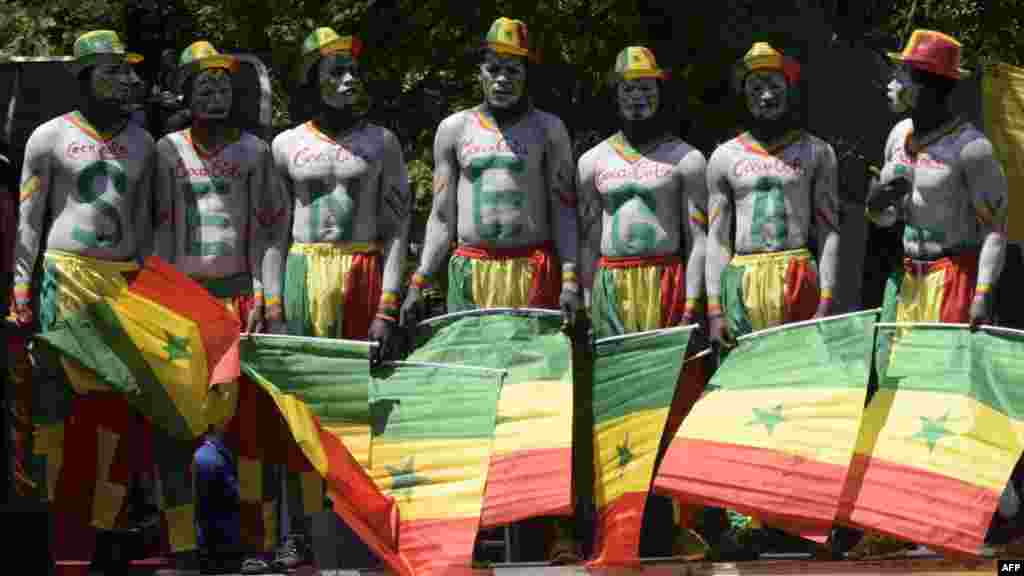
{"x":254,"y":322}
{"x":414,"y":308}
{"x":881,"y":196}
{"x":699,"y":338}
{"x":719,"y":332}
{"x":381,"y":331}
{"x":978,"y":313}
{"x":824,"y":308}
{"x":570,"y":303}
{"x":23,"y":313}
{"x":273,"y":317}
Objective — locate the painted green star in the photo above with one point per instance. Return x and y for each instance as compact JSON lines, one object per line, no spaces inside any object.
{"x":769,"y":418}
{"x":624,"y":453}
{"x":177,"y":347}
{"x":933,"y":430}
{"x":404,"y":478}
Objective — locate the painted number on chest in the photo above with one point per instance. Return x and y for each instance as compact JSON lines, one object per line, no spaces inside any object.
{"x":200,"y":224}
{"x":93,"y":183}
{"x":768,"y":228}
{"x":330,"y":209}
{"x":633,"y":233}
{"x":496,"y":211}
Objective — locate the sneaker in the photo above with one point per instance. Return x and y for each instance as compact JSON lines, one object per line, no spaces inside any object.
{"x":689,"y":545}
{"x":565,"y":551}
{"x":292,"y":552}
{"x":874,"y":545}
{"x":255,"y":566}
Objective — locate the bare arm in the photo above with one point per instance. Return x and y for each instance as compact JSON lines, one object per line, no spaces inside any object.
{"x":562,"y":197}
{"x":395,"y":211}
{"x":258,"y":237}
{"x":827,"y":218}
{"x":719,"y":238}
{"x":590,"y":211}
{"x":988,"y":188}
{"x":144,"y":204}
{"x":441,"y":224}
{"x":273,"y":219}
{"x":36,"y":181}
{"x":692,"y":171}
{"x":163,"y":191}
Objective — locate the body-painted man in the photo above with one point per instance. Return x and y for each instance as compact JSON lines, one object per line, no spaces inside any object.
{"x":86,"y":183}
{"x":345,"y":189}
{"x":503,"y":191}
{"x":214,"y":207}
{"x":346,"y":193}
{"x":769,"y":190}
{"x":942,"y":180}
{"x":643,"y":205}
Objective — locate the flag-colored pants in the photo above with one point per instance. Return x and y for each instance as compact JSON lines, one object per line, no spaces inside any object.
{"x":932,"y":290}
{"x":480,"y":277}
{"x":332,"y":290}
{"x":764,"y":290}
{"x":88,"y":442}
{"x":637,"y":294}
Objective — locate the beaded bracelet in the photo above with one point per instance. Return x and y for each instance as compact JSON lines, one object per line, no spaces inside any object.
{"x":419,"y":281}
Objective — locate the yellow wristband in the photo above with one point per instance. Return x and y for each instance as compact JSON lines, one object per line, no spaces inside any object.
{"x":983,"y":289}
{"x":692,"y":305}
{"x":420,"y":281}
{"x":826,"y":293}
{"x":273,"y":301}
{"x":568,"y":276}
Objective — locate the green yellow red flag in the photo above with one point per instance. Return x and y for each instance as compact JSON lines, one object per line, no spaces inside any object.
{"x":531,"y":464}
{"x":774,"y":434}
{"x":940,"y":436}
{"x":1002,"y":96}
{"x":635,"y":379}
{"x":433,"y":430}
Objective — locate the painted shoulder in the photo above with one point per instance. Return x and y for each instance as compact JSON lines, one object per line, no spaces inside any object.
{"x":45,"y":134}
{"x":725,"y":152}
{"x":685,"y":154}
{"x":138,"y":133}
{"x":973,"y":144}
{"x":382,"y":135}
{"x":253,"y":143}
{"x":171,"y":142}
{"x":590,"y":158}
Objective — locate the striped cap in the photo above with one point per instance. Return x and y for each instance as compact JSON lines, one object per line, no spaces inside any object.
{"x":933,"y":52}
{"x":507,"y":36}
{"x":762,"y":56}
{"x":324,"y":41}
{"x":201,"y":56}
{"x":100,"y":46}
{"x":637,"y":62}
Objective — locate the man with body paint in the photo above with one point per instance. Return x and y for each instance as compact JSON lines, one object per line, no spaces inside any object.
{"x":642,"y":206}
{"x":344,"y":186}
{"x":942,"y":179}
{"x":216,"y":216}
{"x":503,"y":190}
{"x":215,"y":223}
{"x":769,"y":190}
{"x":86,"y":183}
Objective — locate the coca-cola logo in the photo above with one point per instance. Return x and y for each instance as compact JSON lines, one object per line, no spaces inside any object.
{"x":320,"y":154}
{"x":643,"y":171}
{"x":112,"y":150}
{"x":215,"y":168}
{"x":767,"y":167}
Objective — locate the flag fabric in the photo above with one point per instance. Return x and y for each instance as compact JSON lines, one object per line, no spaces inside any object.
{"x":310,"y":381}
{"x":531,"y":463}
{"x":1002,"y":93}
{"x":774,"y":434}
{"x":635,"y":378}
{"x":433,"y":430}
{"x":940,"y":436}
{"x":160,"y":341}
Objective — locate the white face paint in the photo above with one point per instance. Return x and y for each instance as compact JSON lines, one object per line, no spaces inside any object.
{"x":638,"y":99}
{"x":341,"y":87}
{"x":212,"y":95}
{"x":902,"y":91}
{"x":766,"y":92}
{"x":116,"y":84}
{"x":503,"y":79}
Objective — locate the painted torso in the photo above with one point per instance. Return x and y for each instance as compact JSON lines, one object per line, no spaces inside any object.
{"x":214,"y":201}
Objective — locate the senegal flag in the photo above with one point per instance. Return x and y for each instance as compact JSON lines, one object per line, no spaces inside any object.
{"x":634,"y":382}
{"x":433,"y":429}
{"x":161,"y":342}
{"x":940,"y":436}
{"x":1002,"y":93}
{"x":531,"y":464}
{"x":313,"y":382}
{"x":774,"y":433}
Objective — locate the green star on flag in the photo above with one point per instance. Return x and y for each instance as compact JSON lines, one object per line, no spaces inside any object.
{"x":176,"y":347}
{"x":933,"y":430}
{"x":404,"y":478}
{"x":625,"y":454}
{"x":769,"y":418}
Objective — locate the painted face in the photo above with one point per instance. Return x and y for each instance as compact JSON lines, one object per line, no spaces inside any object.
{"x":766,"y":92}
{"x":903,"y":91}
{"x":116,"y":84}
{"x":212,"y":95}
{"x":638,"y":99}
{"x":341,"y":87}
{"x":503,"y":79}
